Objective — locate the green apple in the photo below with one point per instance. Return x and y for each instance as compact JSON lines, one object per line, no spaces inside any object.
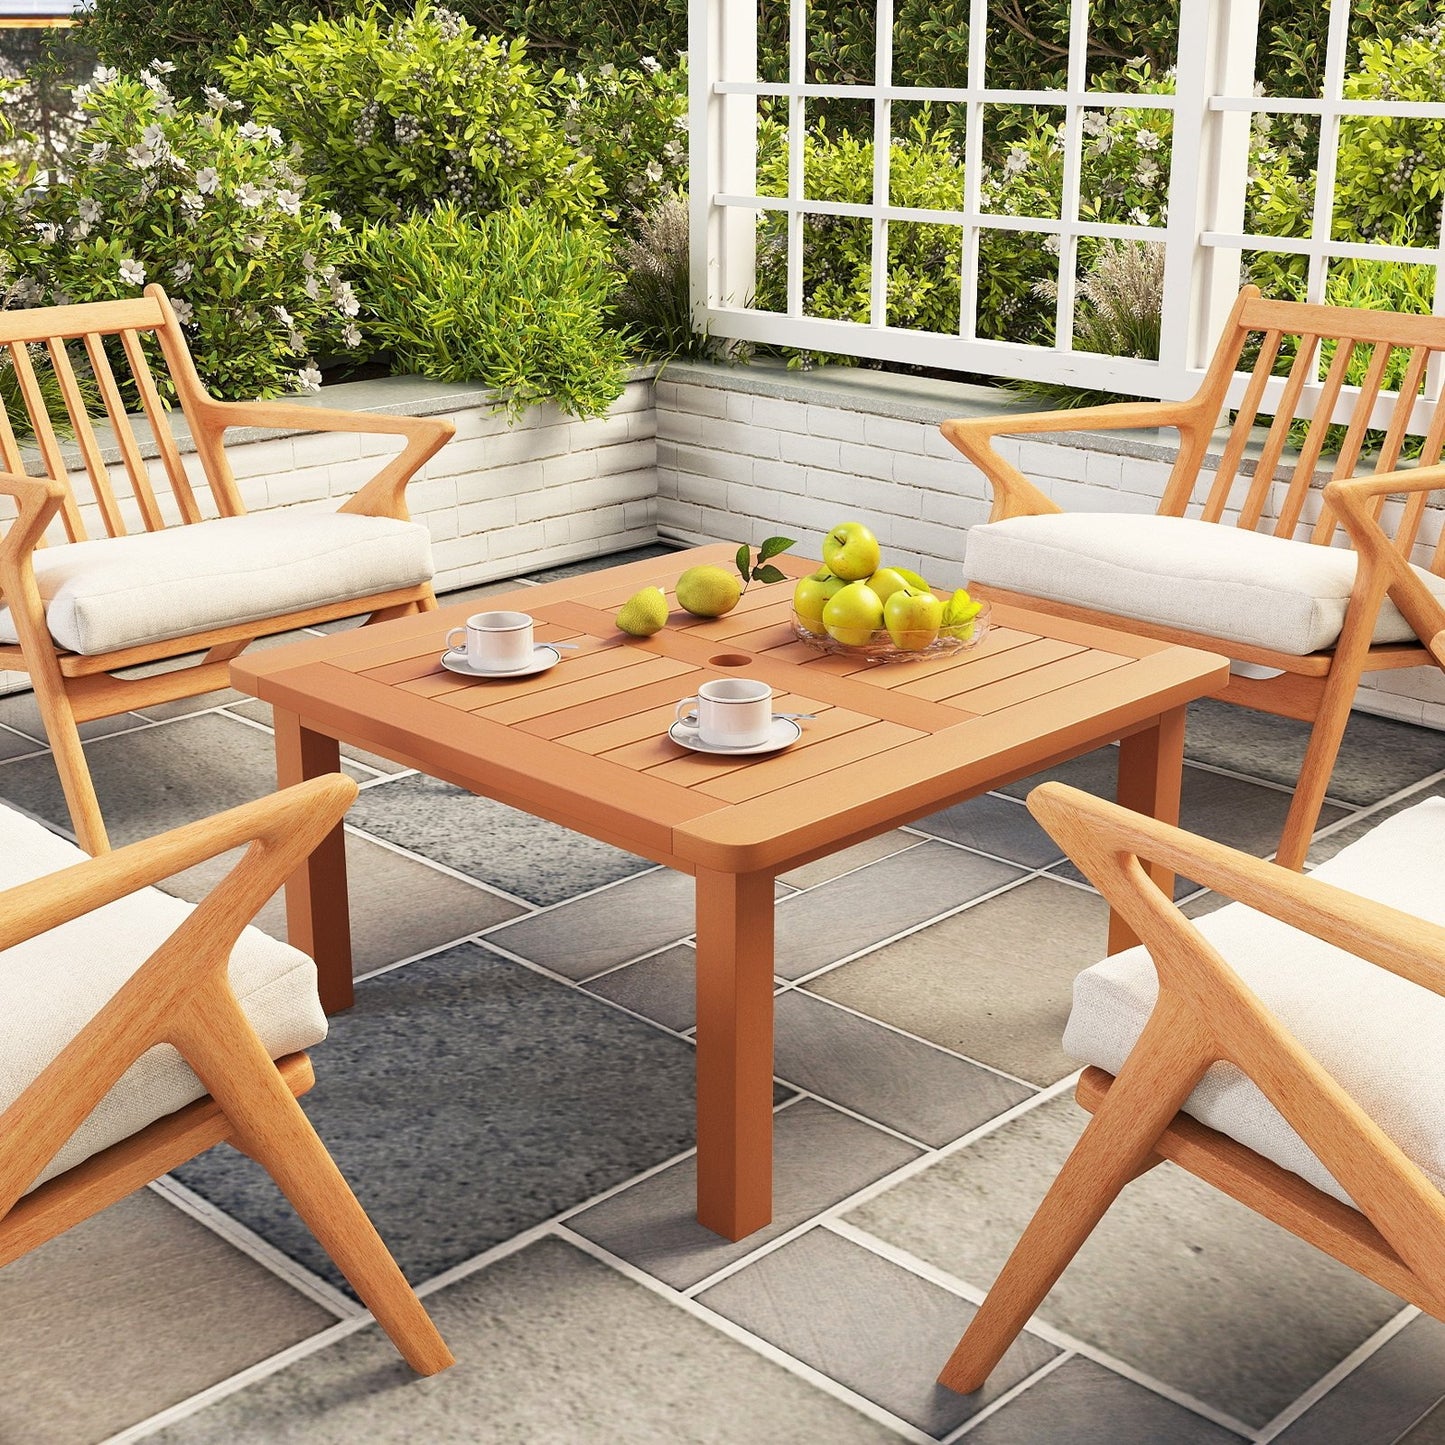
{"x":851,"y":551}
{"x":913,"y":617}
{"x":886,"y":581}
{"x":912,"y":578}
{"x":959,"y":614}
{"x":811,"y":595}
{"x":853,"y":614}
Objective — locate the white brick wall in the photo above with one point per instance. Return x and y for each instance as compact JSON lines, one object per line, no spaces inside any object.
{"x":734,"y":466}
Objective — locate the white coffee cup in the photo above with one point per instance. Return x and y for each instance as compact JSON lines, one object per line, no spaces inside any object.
{"x":729,"y":712}
{"x":495,"y":641}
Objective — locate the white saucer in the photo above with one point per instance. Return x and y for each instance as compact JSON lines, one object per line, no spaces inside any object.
{"x":543,"y":657}
{"x":785,"y":731}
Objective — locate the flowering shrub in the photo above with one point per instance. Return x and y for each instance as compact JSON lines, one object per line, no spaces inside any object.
{"x":392,"y":115}
{"x":510,"y":300}
{"x":632,"y":123}
{"x":205,"y":204}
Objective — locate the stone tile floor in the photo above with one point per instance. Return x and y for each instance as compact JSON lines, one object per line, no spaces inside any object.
{"x":512,"y":1099}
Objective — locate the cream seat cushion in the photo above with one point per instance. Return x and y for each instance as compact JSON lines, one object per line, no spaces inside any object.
{"x":115,"y":592}
{"x":1380,"y":1036}
{"x":1233,"y":584}
{"x":51,"y":986}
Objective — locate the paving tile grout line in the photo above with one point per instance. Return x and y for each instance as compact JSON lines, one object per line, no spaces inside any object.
{"x":1041,"y":1329}
{"x":724,"y":1326}
{"x":1009,"y":1396}
{"x":251,"y":1244}
{"x":1333,"y":1378}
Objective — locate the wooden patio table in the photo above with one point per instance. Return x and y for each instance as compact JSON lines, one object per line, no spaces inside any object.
{"x":585,"y":745}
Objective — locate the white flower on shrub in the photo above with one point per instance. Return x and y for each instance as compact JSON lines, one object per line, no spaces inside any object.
{"x":312,"y":287}
{"x":185,"y":312}
{"x":132,"y":272}
{"x":345,"y":298}
{"x":289,"y":202}
{"x":49,"y":234}
{"x":254,"y":242}
{"x":283,"y":316}
{"x":351,"y":336}
{"x":651,"y":64}
{"x":141,"y":156}
{"x":153,"y":136}
{"x":1148,"y":140}
{"x":182,"y":272}
{"x":308,"y":260}
{"x":332,"y":219}
{"x":296,"y":342}
{"x":193,"y":202}
{"x":250,"y":195}
{"x":1017,"y":162}
{"x":309,"y":378}
{"x":88,"y":210}
{"x":207,"y":179}
{"x":104,"y":74}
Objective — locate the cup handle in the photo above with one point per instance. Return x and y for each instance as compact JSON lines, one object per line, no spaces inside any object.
{"x":690,"y":721}
{"x":453,"y":646}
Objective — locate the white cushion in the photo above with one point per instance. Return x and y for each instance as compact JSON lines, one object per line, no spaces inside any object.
{"x":115,"y":592}
{"x":1380,"y":1036}
{"x":1237,"y":585}
{"x":51,"y":986}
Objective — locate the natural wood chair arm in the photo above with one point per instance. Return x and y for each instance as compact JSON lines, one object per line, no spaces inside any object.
{"x":181,"y":994}
{"x":384,"y":494}
{"x":1101,"y":837}
{"x":1014,"y":494}
{"x":1355,"y":501}
{"x":38,"y":499}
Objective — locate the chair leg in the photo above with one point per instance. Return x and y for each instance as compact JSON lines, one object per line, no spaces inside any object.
{"x":1115,"y":1148}
{"x":1317,"y":768}
{"x":270,"y":1126}
{"x":63,"y":734}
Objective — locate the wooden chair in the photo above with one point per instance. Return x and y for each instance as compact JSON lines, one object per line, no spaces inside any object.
{"x":1251,"y":586}
{"x":1321,"y":991}
{"x":88,"y":997}
{"x":164,"y":583}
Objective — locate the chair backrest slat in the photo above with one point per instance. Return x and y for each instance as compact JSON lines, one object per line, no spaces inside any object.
{"x":1239,"y":436}
{"x":95,"y":466}
{"x":1300,"y":371}
{"x":45,"y":439}
{"x":136,"y":470}
{"x":1318,"y":431}
{"x":1409,"y":394}
{"x":160,"y":427}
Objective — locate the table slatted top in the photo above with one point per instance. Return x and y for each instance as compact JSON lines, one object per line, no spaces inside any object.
{"x":585,"y":743}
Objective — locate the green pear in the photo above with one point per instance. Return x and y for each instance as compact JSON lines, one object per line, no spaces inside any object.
{"x":644,"y":613}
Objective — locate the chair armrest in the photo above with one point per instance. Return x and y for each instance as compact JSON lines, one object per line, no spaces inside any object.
{"x":1014,"y":494}
{"x":1355,"y":501}
{"x":37,"y":500}
{"x":384,"y":494}
{"x":291,"y":821}
{"x":1103,"y":839}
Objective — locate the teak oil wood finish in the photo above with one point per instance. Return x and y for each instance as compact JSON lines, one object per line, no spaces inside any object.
{"x":181,"y":996}
{"x":1205,"y":1013}
{"x":71,"y":689}
{"x":585,"y":745}
{"x":1318,"y":688}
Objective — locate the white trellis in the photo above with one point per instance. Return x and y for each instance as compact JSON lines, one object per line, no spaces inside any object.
{"x":1203,"y":236}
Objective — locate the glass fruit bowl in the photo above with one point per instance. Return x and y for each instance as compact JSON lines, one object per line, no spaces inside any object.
{"x":882,"y":648}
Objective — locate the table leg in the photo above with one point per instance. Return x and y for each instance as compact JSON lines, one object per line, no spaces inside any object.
{"x":1151,"y":769}
{"x":318,"y":919}
{"x":734,"y":1051}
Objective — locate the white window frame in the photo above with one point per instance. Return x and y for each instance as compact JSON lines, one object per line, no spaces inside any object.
{"x":1203,"y":235}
